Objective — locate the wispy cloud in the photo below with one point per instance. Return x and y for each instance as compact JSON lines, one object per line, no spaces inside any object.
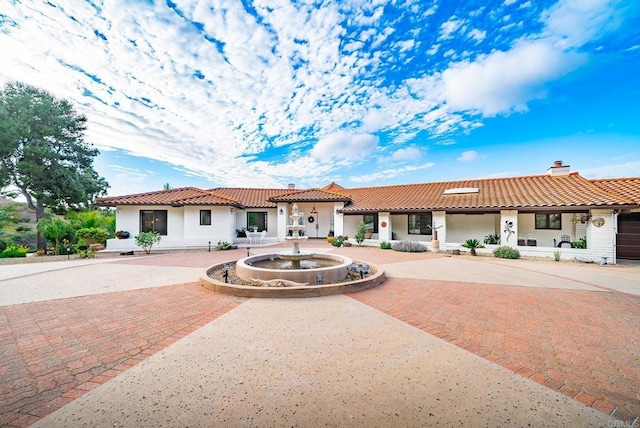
{"x":469,"y":156}
{"x":211,"y":90}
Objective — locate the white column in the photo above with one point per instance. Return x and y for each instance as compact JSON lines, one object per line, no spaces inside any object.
{"x":439,"y":224}
{"x":384,"y":226}
{"x":509,"y":227}
{"x":601,"y":241}
{"x":282,"y":220}
{"x":338,"y":219}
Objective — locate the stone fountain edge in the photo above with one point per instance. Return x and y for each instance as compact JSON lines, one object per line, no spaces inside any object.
{"x":292,"y":292}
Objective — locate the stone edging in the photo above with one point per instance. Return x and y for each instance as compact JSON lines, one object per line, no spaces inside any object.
{"x":307,"y":291}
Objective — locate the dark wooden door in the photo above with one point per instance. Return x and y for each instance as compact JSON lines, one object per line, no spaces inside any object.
{"x":628,"y":240}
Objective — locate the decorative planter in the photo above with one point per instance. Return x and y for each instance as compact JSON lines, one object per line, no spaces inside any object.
{"x":122,"y":234}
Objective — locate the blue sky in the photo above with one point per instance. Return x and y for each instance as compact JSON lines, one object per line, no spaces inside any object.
{"x":270,"y":92}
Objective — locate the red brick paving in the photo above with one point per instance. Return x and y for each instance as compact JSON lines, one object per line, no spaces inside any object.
{"x":53,"y":352}
{"x":583,"y":344}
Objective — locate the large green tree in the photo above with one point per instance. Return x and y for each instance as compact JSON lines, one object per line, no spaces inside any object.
{"x":43,"y":154}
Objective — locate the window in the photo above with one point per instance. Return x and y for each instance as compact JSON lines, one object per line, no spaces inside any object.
{"x":153,"y":221}
{"x":371,"y":222}
{"x":549,"y":221}
{"x":420,"y":224}
{"x":205,"y":217}
{"x":257,"y":221}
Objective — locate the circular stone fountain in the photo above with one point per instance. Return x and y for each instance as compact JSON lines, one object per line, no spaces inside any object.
{"x":294,"y":273}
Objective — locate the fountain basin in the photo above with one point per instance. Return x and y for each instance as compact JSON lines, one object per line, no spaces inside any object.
{"x":334,"y":273}
{"x":311,"y":290}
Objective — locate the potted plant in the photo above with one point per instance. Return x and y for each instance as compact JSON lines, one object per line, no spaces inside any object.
{"x":122,"y":234}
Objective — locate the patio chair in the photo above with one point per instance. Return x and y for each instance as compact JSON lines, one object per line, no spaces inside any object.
{"x":262,"y":236}
{"x":564,"y":239}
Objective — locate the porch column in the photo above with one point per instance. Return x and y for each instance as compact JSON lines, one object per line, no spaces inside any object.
{"x":338,"y":219}
{"x":601,"y":241}
{"x":509,"y":227}
{"x":439,"y":224}
{"x":384,"y":226}
{"x":283,"y":219}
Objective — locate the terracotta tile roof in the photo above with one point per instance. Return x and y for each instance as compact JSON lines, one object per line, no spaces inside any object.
{"x":626,"y":187}
{"x":312,"y":195}
{"x":253,"y":198}
{"x":175,"y":197}
{"x":335,"y":188}
{"x":534,"y":192}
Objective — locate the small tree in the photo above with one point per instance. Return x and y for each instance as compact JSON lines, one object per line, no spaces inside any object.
{"x":146,"y":240}
{"x":360,"y":233}
{"x":54,"y":229}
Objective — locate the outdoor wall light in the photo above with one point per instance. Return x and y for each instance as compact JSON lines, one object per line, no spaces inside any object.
{"x":281,"y":211}
{"x":319,"y":279}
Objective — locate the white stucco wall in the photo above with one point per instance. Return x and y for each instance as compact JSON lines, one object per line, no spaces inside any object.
{"x":544,"y":237}
{"x":128,"y":219}
{"x":461,"y":227}
{"x":222,"y":220}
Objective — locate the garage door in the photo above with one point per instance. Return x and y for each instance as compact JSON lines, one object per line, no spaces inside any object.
{"x":628,"y":245}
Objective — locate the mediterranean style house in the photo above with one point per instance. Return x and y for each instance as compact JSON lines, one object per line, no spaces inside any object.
{"x":559,"y":212}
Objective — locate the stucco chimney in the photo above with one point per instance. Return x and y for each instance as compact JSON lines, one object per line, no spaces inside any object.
{"x":558,"y":169}
{"x":291,"y":186}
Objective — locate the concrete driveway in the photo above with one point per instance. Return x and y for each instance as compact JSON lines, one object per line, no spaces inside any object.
{"x":444,"y":341}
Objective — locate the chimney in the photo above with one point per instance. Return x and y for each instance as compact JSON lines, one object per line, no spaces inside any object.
{"x":291,"y":186}
{"x":558,"y":169}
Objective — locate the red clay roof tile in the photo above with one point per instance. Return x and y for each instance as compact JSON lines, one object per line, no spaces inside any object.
{"x":540,"y":191}
{"x":626,"y":187}
{"x":179,"y":196}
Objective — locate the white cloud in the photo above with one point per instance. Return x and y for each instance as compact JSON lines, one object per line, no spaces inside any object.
{"x":448,"y":28}
{"x":469,"y":156}
{"x":572,"y":23}
{"x":478,"y":35}
{"x":502,"y":82}
{"x":410,"y":153}
{"x":389,"y":173}
{"x":343,"y":145}
{"x":628,"y":169}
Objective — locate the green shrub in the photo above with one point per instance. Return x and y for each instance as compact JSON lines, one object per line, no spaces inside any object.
{"x":338,"y":241}
{"x":23,"y":228}
{"x":223,"y":245}
{"x":505,"y":252}
{"x":385,"y":245}
{"x":556,"y":255}
{"x":93,"y":235}
{"x":472,"y":244}
{"x":360,"y":233}
{"x":580,"y":243}
{"x":27,"y":239}
{"x":14,"y":250}
{"x":409,"y":247}
{"x":146,"y":240}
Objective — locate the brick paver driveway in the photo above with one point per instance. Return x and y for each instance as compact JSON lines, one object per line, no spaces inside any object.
{"x":583,"y":344}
